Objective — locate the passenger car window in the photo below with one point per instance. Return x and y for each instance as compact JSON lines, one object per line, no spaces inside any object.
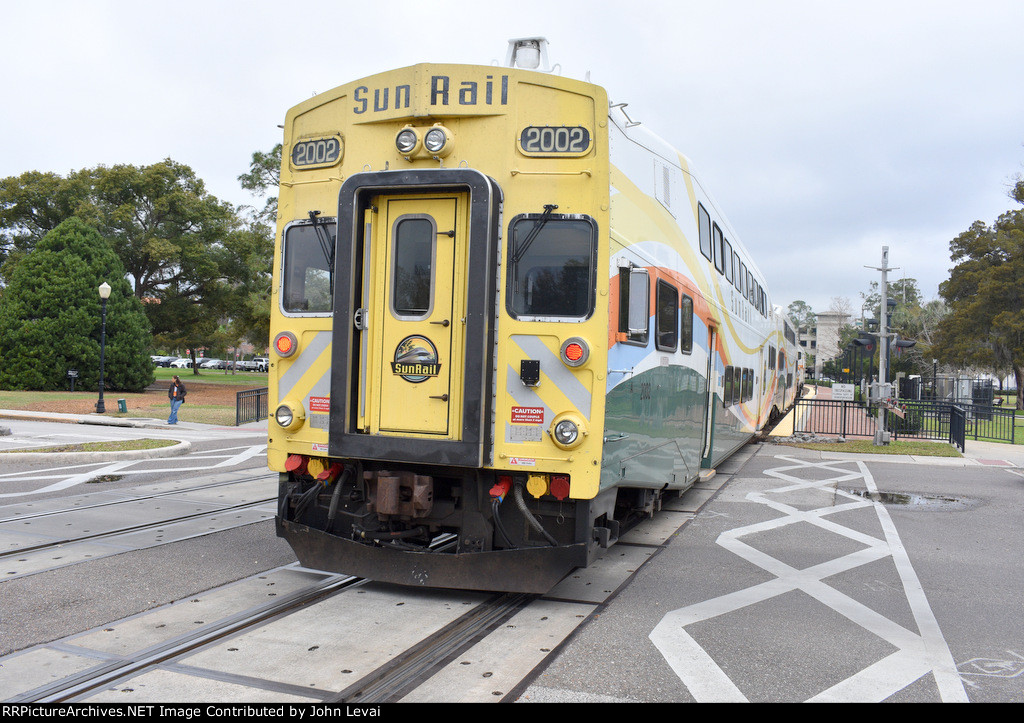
{"x":667,"y":317}
{"x":686,"y":324}
{"x":704,"y":231}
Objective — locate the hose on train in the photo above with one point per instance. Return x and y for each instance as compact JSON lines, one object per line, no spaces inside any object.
{"x":305,"y":499}
{"x":495,"y":503}
{"x":533,"y":522}
{"x":332,"y":512}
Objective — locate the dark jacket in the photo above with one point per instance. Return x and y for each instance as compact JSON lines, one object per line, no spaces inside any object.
{"x":180,"y":387}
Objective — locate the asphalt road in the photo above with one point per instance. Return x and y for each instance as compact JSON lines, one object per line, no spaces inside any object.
{"x":794,"y":583}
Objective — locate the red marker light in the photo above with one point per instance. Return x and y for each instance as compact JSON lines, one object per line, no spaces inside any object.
{"x":575,"y":352}
{"x":285,"y":344}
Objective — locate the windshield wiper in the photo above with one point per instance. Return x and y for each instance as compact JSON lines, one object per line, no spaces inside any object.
{"x":520,"y":252}
{"x":544,"y":218}
{"x":326,"y":245}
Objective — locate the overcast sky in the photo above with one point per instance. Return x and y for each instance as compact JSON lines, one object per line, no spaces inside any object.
{"x":825,"y":130}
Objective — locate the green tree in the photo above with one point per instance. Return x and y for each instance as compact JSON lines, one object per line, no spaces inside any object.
{"x":248,"y":260}
{"x":253,"y":250}
{"x":33,"y":204}
{"x":191,"y":259}
{"x":903,"y":291}
{"x":50,"y":317}
{"x":162,"y":223}
{"x":801,"y":314}
{"x":264,"y":175}
{"x":985,"y":295}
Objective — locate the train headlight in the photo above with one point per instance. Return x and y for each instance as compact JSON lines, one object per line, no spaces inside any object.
{"x":575,"y":352}
{"x":568,"y":430}
{"x":407,"y":141}
{"x":437,"y":141}
{"x":289,"y":415}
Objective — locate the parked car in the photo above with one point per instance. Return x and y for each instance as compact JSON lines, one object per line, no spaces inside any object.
{"x":181,"y":363}
{"x":262,"y":363}
{"x":163,"y":361}
{"x":211,"y":364}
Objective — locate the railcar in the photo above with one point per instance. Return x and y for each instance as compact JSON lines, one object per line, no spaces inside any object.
{"x":507,"y":321}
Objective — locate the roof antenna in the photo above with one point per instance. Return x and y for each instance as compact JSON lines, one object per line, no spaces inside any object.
{"x":529,"y":54}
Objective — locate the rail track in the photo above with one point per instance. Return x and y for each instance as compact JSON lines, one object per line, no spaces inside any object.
{"x":321,"y":637}
{"x":101,"y":521}
{"x":386,"y":683}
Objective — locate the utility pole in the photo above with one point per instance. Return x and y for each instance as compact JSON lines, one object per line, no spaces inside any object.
{"x":882,"y":392}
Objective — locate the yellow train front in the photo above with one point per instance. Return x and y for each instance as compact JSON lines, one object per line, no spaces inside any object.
{"x":439,"y":328}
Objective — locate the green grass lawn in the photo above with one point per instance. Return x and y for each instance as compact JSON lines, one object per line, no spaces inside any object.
{"x":124,"y":445}
{"x":919,"y":447}
{"x":249,"y":380}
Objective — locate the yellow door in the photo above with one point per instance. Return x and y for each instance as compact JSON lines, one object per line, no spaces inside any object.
{"x":419,"y":311}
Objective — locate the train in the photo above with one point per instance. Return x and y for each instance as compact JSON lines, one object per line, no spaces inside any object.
{"x":507,"y":323}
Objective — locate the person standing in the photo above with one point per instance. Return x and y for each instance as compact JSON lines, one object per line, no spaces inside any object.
{"x":177,"y":396}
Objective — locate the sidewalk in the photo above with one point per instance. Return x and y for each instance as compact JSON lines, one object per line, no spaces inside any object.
{"x":29,"y":438}
{"x":978,"y":454}
{"x":103,"y":420}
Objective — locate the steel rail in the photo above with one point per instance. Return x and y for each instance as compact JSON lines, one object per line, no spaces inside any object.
{"x":107,"y":503}
{"x":111,"y":672}
{"x":133,"y":528}
{"x":396,"y":677}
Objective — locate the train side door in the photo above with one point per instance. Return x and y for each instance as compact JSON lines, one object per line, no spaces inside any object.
{"x":418,"y":303}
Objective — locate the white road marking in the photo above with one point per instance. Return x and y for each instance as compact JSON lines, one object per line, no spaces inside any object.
{"x":918,"y":654}
{"x":229,"y":457}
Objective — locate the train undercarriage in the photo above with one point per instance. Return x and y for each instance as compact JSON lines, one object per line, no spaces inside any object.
{"x":451,"y":528}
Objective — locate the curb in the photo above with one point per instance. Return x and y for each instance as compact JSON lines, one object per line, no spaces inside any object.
{"x":78,"y":419}
{"x":175,"y":450}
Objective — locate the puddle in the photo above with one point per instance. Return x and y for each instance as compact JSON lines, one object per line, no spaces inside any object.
{"x":913,"y":499}
{"x":105,"y":478}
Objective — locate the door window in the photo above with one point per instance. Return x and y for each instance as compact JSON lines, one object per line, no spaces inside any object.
{"x":412,"y":267}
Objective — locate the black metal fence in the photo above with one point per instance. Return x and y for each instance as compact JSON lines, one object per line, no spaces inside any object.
{"x":250,"y":406}
{"x":917,"y":420}
{"x":958,"y":428}
{"x":931,"y":420}
{"x":829,"y":416}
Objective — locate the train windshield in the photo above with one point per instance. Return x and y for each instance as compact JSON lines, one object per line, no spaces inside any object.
{"x":306,"y":267}
{"x":551,"y":273}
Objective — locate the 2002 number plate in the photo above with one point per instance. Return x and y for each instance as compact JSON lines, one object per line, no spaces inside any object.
{"x":550,"y":140}
{"x":316,"y":152}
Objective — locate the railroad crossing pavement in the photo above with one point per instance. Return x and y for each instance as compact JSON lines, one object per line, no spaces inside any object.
{"x":811,"y":579}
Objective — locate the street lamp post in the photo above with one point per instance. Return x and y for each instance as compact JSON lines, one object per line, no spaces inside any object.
{"x":104,"y":295}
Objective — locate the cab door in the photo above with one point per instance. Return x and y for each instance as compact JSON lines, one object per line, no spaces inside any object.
{"x":417,"y":315}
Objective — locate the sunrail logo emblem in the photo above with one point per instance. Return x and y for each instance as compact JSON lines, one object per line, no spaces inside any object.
{"x":416,"y":359}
